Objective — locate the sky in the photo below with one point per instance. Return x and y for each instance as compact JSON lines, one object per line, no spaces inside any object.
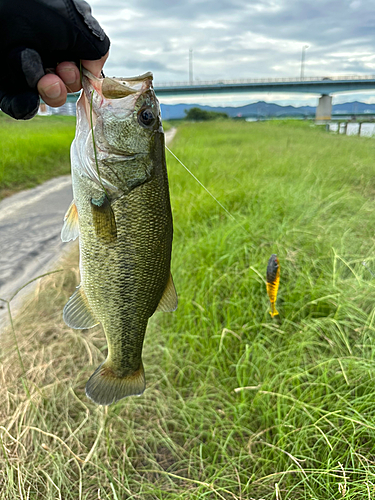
{"x":238,"y":39}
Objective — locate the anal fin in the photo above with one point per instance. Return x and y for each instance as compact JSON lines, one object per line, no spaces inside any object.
{"x":77,"y":312}
{"x":70,"y":229}
{"x":169,"y":300}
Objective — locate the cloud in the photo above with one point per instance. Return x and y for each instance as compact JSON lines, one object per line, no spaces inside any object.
{"x":238,"y":38}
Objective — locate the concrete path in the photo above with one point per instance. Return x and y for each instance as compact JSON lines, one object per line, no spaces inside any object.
{"x":30,"y":226}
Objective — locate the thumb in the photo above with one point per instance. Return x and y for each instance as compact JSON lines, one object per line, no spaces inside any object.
{"x":95,"y":67}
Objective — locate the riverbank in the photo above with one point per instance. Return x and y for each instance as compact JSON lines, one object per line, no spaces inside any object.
{"x":32,"y":152}
{"x":237,"y":405}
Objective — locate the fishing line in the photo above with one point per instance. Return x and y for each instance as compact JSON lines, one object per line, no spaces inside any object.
{"x":94,"y":144}
{"x":364,"y":263}
{"x":204,"y":187}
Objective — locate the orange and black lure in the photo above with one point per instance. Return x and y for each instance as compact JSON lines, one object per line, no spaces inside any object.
{"x":273,"y":280}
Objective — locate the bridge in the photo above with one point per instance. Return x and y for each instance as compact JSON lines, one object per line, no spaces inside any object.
{"x":312,"y":85}
{"x":325,"y":86}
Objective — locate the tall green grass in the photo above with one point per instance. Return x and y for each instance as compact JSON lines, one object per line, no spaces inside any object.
{"x":238,"y":406}
{"x":32,"y":152}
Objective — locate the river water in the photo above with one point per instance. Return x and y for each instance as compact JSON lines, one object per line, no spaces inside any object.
{"x":367,"y":129}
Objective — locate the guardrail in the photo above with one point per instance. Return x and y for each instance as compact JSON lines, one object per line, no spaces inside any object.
{"x":307,"y":79}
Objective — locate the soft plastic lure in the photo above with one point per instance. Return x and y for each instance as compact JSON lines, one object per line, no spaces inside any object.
{"x":273,"y":280}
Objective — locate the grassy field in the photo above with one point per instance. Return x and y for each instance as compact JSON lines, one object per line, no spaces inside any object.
{"x":32,"y":152}
{"x":237,"y":406}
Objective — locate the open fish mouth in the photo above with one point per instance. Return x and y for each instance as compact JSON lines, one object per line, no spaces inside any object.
{"x":120,"y":94}
{"x":109,"y":103}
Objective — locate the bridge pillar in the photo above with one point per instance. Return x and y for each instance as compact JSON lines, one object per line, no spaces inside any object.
{"x":324,"y":109}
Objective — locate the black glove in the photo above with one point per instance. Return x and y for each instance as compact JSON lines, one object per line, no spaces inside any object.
{"x":39,"y":34}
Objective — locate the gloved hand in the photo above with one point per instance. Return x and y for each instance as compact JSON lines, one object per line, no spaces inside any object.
{"x":38,"y":36}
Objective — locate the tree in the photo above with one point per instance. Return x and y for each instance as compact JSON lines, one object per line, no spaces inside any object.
{"x":198,"y":115}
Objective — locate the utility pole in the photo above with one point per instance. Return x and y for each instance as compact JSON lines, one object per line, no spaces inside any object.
{"x":303,"y":59}
{"x":191,"y":66}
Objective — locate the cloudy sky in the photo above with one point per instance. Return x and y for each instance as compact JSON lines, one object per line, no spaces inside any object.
{"x":233,"y":39}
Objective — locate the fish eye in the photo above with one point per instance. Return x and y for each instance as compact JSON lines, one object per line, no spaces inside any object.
{"x":146,"y":117}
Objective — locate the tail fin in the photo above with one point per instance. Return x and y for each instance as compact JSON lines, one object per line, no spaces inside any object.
{"x":104,"y":387}
{"x":273,"y":311}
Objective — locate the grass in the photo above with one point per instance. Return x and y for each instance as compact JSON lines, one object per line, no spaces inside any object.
{"x":237,"y":406}
{"x":34,"y":151}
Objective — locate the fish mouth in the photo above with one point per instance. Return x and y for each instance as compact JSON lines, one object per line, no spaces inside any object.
{"x":116,"y":88}
{"x":120,"y":94}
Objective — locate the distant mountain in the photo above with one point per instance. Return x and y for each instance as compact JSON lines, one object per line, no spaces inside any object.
{"x":353,"y":108}
{"x":264,"y":109}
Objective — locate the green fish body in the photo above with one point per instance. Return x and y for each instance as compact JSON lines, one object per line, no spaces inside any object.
{"x":121,"y":212}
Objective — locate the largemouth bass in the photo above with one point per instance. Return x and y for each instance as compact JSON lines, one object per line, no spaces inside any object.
{"x":273,"y":280}
{"x":122,"y":215}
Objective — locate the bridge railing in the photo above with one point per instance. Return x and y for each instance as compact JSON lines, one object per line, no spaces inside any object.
{"x":268,"y":80}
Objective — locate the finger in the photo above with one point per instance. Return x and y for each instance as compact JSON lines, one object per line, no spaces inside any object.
{"x":95,"y":67}
{"x":69,"y":74}
{"x":52,"y":90}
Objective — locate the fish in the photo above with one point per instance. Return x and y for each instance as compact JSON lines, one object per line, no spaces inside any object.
{"x":121,"y":214}
{"x":272,"y":284}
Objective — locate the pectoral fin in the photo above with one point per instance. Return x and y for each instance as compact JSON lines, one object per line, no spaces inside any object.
{"x":78,"y":313}
{"x":168,"y":302}
{"x":104,"y":219}
{"x":70,"y":229}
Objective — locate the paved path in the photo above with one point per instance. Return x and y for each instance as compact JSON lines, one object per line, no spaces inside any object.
{"x":30,"y":226}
